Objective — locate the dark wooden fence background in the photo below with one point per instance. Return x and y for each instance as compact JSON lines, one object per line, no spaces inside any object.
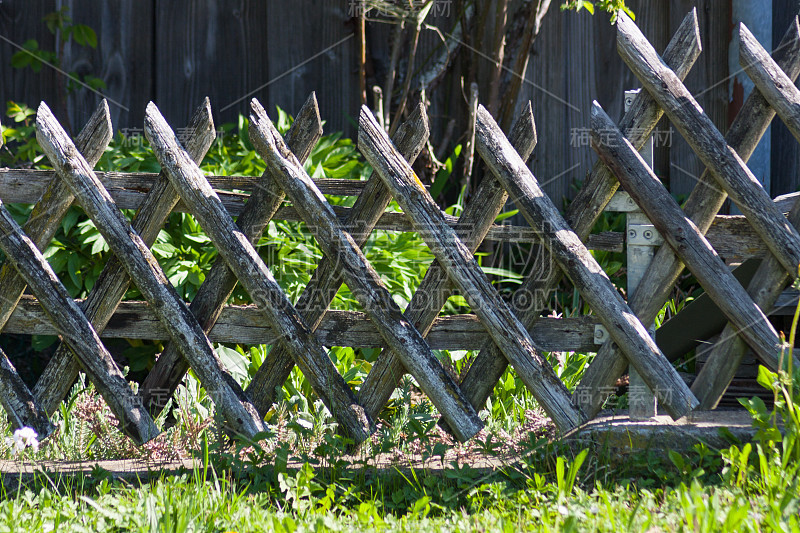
{"x":176,"y":52}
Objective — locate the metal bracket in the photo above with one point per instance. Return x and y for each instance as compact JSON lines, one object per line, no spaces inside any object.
{"x":644,"y":235}
{"x":600,"y":334}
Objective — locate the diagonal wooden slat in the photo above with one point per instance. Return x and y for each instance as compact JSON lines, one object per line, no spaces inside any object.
{"x":708,"y":143}
{"x":76,"y":330}
{"x":113,"y":282}
{"x":256,"y":278}
{"x":701,"y":207}
{"x":436,"y":288}
{"x":19,"y":402}
{"x":582,"y":214}
{"x":207,"y":304}
{"x":770,"y":279}
{"x":146,"y":273}
{"x":585,"y":273}
{"x":501,"y":324}
{"x":362,"y":279}
{"x":367,"y":210}
{"x":48,"y":211}
{"x":685,"y":239}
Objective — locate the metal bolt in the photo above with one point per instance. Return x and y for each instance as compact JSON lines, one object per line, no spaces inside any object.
{"x":632,"y":233}
{"x":648,"y":234}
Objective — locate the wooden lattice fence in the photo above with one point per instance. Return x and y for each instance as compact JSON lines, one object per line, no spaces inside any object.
{"x":505,"y":332}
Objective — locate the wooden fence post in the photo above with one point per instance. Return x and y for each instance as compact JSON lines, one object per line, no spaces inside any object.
{"x":256,"y":278}
{"x":361,"y":277}
{"x":455,"y":257}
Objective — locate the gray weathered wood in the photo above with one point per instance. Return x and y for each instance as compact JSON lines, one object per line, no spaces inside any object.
{"x":435,"y":288}
{"x":683,"y":236}
{"x":55,"y":200}
{"x":455,"y":257}
{"x":73,"y":327}
{"x":130,"y":190}
{"x":362,"y":279}
{"x":770,"y":278}
{"x":244,"y":324}
{"x":725,"y":164}
{"x":110,"y":287}
{"x":534,"y":294}
{"x":256,"y":278}
{"x":145,"y":271}
{"x":701,"y":207}
{"x":326,"y":280}
{"x":170,"y":367}
{"x":582,"y":269}
{"x":40,"y":227}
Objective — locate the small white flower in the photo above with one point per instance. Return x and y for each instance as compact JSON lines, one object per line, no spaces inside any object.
{"x":23,"y":438}
{"x":562,"y":509}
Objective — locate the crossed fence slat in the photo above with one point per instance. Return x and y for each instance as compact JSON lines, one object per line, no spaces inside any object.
{"x":701,"y":207}
{"x":582,"y":214}
{"x":456,"y":258}
{"x":113,"y":282}
{"x":256,"y":279}
{"x":685,"y":239}
{"x":146,"y":272}
{"x":362,"y":279}
{"x":578,"y":264}
{"x":207,"y":304}
{"x":436,"y":287}
{"x":770,"y":278}
{"x":326,"y":280}
{"x":19,"y":402}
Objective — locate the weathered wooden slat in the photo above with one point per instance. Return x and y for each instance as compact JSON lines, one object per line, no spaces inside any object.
{"x":41,"y":226}
{"x":145,"y":271}
{"x":245,"y":325}
{"x":362,"y":278}
{"x":326,"y":280}
{"x":171,"y":366}
{"x":435,"y":288}
{"x":113,"y":282}
{"x":770,"y":278}
{"x":501,"y":324}
{"x":56,"y":199}
{"x":27,"y":185}
{"x":578,"y":264}
{"x":701,"y":207}
{"x":533,"y":296}
{"x":132,"y":194}
{"x":73,"y":327}
{"x":685,"y":239}
{"x":256,"y":278}
{"x":725,"y":164}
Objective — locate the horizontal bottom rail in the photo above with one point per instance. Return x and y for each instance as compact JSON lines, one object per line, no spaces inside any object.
{"x":246,"y":325}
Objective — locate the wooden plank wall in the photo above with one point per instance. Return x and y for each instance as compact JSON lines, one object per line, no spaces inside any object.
{"x":177,"y":52}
